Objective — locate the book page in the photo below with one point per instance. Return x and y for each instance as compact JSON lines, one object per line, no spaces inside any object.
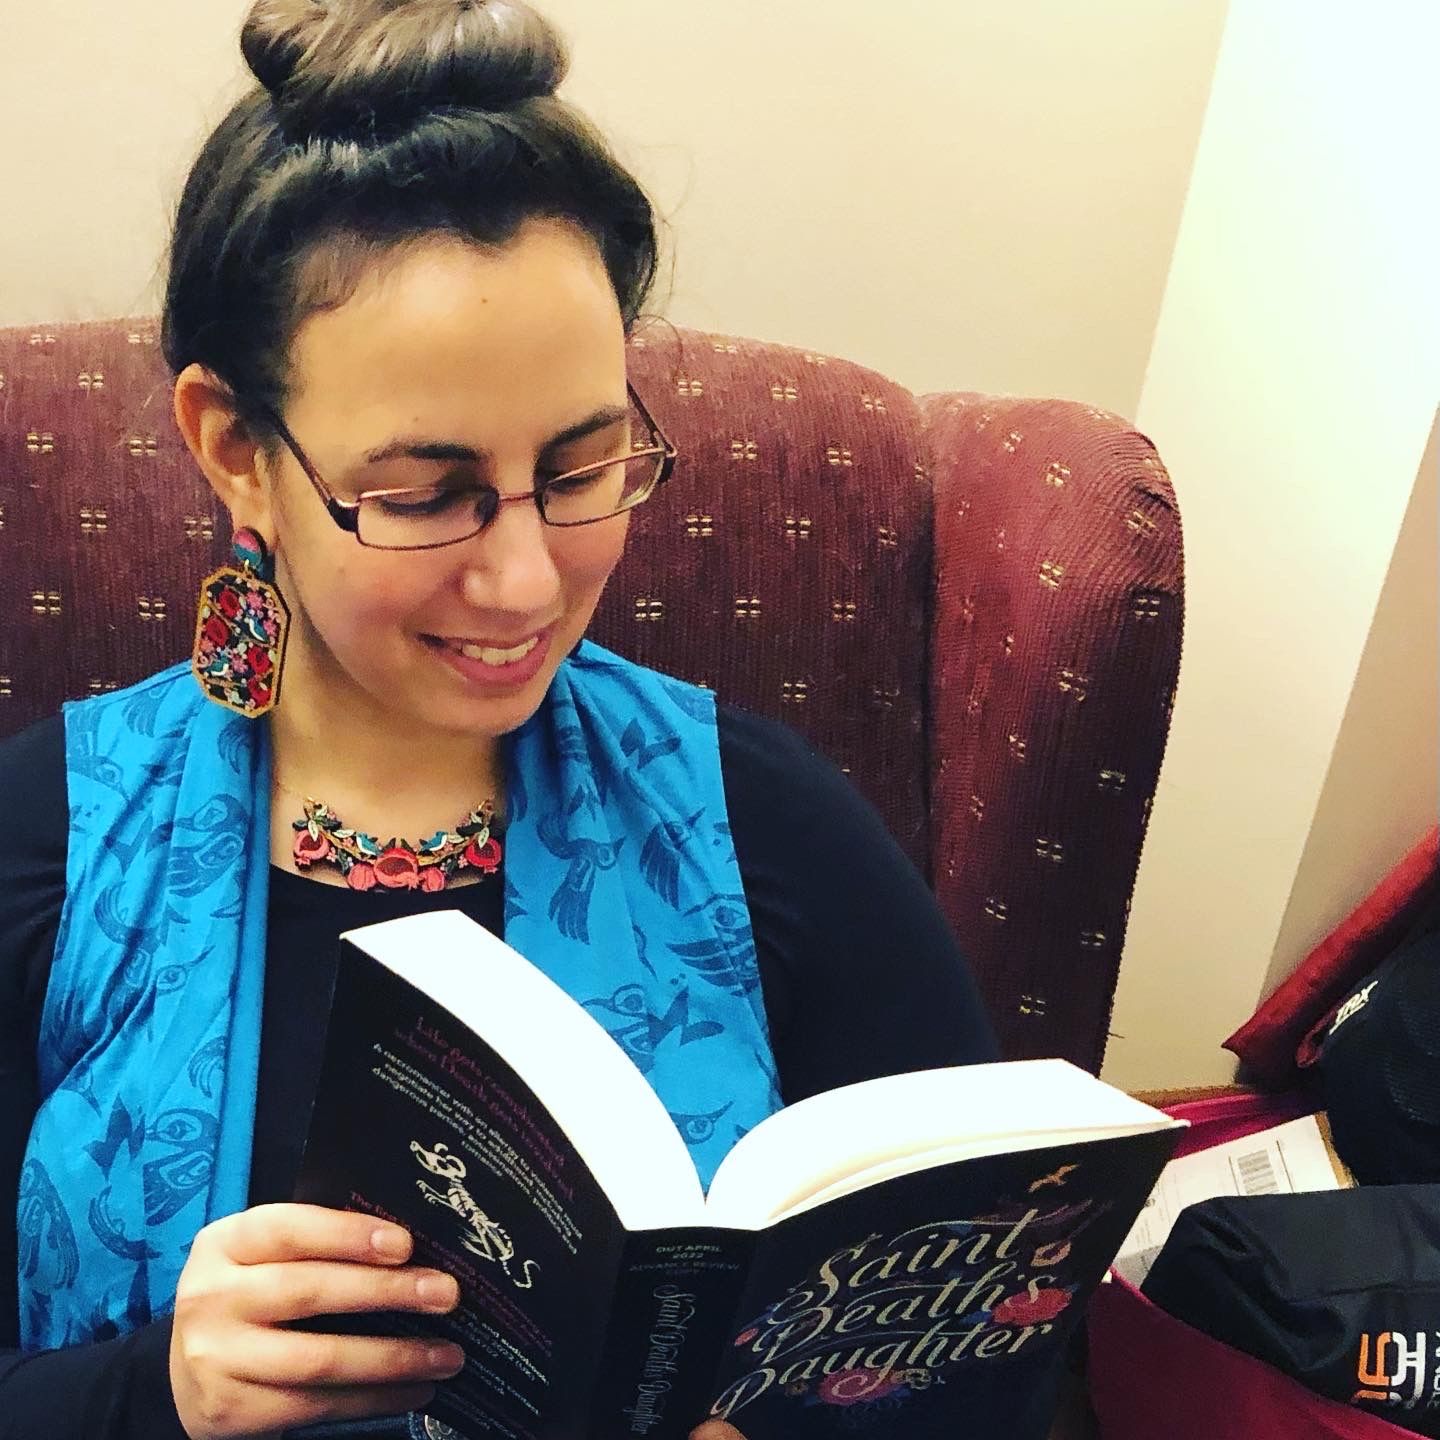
{"x":927,"y":1159}
{"x":1284,"y":1160}
{"x":592,"y":1089}
{"x":900,"y":1123}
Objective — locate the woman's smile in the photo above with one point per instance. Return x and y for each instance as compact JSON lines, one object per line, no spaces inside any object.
{"x":492,"y":665}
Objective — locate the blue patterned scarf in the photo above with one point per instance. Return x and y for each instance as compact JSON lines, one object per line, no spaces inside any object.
{"x":621,"y":884}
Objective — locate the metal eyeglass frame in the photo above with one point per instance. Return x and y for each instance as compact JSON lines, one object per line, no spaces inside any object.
{"x":346,"y":513}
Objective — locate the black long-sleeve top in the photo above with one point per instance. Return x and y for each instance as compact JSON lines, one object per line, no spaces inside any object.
{"x":860,"y":976}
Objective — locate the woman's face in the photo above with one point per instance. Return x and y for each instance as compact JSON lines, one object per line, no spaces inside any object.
{"x":490,"y":353}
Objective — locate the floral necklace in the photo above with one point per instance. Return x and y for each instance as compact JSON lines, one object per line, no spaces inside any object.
{"x":398,"y":865}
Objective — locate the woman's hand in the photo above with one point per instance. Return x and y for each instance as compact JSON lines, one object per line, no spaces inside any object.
{"x":716,"y":1430}
{"x":235,"y":1369}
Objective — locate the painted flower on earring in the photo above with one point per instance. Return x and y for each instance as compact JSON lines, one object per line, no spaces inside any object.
{"x":216,"y":631}
{"x":258,"y":691}
{"x":397,"y":868}
{"x":228,"y":603}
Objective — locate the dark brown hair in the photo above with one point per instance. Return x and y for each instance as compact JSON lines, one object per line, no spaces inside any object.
{"x":377,"y":123}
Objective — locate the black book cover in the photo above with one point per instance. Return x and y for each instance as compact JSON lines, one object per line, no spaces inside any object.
{"x":933,"y":1304}
{"x":673,"y":1310}
{"x":418,"y":1121}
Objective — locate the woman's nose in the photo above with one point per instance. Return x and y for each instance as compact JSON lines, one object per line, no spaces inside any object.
{"x":509,"y":565}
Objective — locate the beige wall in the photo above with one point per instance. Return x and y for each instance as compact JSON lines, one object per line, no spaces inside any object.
{"x":102,"y":107}
{"x":1292,"y":386}
{"x":978,"y":195}
{"x":1382,"y":788}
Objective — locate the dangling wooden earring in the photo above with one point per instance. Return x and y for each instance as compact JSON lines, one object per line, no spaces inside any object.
{"x":240,"y":630}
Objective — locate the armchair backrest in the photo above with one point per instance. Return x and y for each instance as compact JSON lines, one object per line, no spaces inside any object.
{"x":790,"y":565}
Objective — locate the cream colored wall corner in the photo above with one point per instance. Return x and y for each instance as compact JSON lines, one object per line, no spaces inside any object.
{"x":1382,"y":788}
{"x":967,"y":196}
{"x":1293,"y":383}
{"x":978,"y":195}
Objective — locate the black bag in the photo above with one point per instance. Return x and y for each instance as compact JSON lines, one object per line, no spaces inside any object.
{"x":1338,"y":1289}
{"x":1380,"y":1065}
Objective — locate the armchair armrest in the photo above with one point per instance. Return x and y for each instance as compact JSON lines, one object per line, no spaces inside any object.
{"x":1055,"y":652}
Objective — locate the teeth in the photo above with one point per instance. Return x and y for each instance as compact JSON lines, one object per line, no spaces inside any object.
{"x":492,"y":656}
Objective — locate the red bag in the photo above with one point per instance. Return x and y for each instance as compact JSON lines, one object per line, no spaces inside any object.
{"x":1150,"y":1374}
{"x":1282,"y":1037}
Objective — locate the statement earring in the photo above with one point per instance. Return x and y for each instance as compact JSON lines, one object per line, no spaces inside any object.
{"x":240,"y":631}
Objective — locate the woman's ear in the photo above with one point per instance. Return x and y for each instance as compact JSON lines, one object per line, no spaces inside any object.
{"x":228,"y":455}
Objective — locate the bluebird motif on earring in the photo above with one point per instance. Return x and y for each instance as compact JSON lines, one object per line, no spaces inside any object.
{"x":240,"y":631}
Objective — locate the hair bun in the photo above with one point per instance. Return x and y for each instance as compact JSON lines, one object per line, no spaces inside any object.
{"x":331,"y":65}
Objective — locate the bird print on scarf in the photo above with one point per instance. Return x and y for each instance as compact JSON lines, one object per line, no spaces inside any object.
{"x":570,"y":904}
{"x":725,"y":957}
{"x":174,"y":1179}
{"x":660,"y":857}
{"x":643,"y":752}
{"x":641,"y":1033}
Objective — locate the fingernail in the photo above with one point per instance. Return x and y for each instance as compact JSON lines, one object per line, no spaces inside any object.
{"x":445,"y":1359}
{"x":390,"y":1242}
{"x":437,"y":1290}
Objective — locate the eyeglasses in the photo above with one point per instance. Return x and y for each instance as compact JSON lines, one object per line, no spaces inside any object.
{"x":426,"y":517}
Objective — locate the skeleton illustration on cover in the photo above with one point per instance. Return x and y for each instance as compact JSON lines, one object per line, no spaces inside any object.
{"x":485,"y":1237}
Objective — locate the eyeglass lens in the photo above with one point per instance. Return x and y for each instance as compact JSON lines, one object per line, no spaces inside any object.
{"x":439,"y":515}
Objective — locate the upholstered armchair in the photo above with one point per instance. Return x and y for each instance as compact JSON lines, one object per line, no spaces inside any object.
{"x":973,"y":604}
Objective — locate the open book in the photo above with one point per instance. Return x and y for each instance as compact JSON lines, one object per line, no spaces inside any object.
{"x":918,"y":1246}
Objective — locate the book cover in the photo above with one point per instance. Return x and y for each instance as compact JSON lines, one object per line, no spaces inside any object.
{"x":934,"y":1304}
{"x":419,"y":1122}
{"x":675,"y":1302}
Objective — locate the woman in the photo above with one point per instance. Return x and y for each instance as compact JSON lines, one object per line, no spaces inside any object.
{"x":401,"y":280}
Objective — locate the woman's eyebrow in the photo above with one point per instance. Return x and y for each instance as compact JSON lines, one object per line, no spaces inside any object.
{"x":418,"y":449}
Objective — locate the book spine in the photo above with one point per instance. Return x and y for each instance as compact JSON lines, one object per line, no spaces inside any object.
{"x":674,"y":1307}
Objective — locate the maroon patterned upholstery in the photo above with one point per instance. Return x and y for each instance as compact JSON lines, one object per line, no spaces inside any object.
{"x":973,"y":605}
{"x":1059,"y":605}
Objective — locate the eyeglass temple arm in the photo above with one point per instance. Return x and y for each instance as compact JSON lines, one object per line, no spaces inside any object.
{"x":667,"y":463}
{"x":345,"y":513}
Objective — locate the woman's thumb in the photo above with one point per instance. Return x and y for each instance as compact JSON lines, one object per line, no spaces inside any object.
{"x":716,"y":1430}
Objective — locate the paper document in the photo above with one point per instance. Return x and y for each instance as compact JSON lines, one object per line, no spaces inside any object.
{"x":1285,"y":1160}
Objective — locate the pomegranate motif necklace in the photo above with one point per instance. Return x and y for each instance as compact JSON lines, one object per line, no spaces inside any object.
{"x":321,"y":838}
